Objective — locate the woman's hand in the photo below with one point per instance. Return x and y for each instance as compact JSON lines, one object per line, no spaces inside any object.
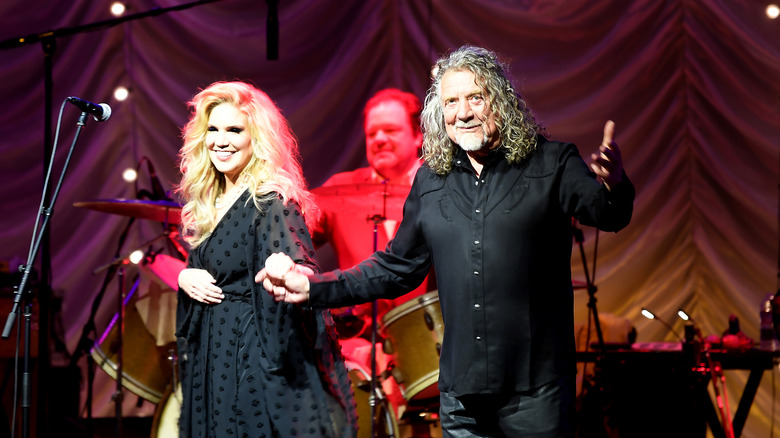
{"x":199,"y":285}
{"x":285,"y":280}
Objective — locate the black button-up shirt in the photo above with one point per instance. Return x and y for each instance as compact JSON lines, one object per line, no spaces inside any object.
{"x":501,"y":247}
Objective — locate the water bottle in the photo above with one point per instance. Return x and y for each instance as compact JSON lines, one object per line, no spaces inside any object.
{"x":767,"y":328}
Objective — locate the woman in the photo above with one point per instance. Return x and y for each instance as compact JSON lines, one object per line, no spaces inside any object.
{"x":250,"y":366}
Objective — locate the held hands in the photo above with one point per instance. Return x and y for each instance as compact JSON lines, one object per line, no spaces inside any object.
{"x":285,"y":280}
{"x":608,"y":162}
{"x":199,"y":285}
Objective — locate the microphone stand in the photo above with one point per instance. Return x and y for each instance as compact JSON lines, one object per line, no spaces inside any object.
{"x":20,"y":293}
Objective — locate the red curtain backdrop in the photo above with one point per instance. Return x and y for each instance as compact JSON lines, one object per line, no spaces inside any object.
{"x":693,"y":86}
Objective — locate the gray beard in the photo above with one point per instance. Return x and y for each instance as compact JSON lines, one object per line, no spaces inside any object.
{"x":471,"y":142}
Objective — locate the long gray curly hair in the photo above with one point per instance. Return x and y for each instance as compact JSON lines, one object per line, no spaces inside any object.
{"x":515,"y":121}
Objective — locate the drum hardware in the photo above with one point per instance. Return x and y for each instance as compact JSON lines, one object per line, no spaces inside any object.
{"x":381,"y":418}
{"x":149,"y":379}
{"x":578,"y":236}
{"x":167,"y":212}
{"x":357,"y":199}
{"x":147,"y":369}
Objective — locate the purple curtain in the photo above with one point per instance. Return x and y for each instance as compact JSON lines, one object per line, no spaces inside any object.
{"x":693,"y":87}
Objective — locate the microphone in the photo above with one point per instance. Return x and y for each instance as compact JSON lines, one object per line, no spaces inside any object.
{"x":100,"y":112}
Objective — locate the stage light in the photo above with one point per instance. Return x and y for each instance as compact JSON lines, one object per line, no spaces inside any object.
{"x":117,"y":9}
{"x":129,"y":175}
{"x":647,"y":314}
{"x":684,"y":316}
{"x":772,"y":11}
{"x":136,"y":256}
{"x":121,"y":93}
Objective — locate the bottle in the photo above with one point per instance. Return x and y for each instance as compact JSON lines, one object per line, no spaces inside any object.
{"x":767,"y":328}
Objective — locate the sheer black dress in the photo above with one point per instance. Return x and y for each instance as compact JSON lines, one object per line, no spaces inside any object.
{"x":249,"y":366}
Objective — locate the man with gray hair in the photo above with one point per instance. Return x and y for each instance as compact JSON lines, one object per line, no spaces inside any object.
{"x":491,"y":211}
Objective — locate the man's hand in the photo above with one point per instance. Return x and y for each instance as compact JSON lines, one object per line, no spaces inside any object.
{"x":285,"y":280}
{"x":608,"y":162}
{"x":199,"y":285}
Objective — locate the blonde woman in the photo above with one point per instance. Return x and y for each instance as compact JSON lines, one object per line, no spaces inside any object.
{"x":250,"y":366}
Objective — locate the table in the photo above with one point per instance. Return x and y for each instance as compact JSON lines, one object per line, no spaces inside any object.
{"x":680,"y":378}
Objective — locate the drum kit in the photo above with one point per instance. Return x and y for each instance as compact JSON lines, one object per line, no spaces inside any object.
{"x":138,"y":346}
{"x":411,"y":333}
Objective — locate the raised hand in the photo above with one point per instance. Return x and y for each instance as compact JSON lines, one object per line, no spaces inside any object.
{"x":608,"y":162}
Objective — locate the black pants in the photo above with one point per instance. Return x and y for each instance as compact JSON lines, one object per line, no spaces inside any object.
{"x":547,"y":411}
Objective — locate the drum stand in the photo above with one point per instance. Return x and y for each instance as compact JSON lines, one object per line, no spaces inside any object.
{"x":376,"y":219}
{"x":119,"y":262}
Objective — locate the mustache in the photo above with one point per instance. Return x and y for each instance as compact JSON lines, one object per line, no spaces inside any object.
{"x":459,"y":124}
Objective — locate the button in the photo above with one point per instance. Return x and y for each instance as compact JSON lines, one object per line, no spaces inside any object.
{"x":477,"y":211}
{"x":476,"y":242}
{"x":476,"y":306}
{"x":479,"y":338}
{"x":476,"y":272}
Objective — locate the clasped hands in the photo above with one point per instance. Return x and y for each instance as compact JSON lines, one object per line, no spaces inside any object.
{"x":284,"y":279}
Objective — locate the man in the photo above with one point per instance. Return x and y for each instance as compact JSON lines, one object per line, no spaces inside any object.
{"x":491,"y":209}
{"x":391,"y":122}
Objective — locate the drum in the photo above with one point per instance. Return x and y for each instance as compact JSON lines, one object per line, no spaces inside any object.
{"x":165,"y":423}
{"x":413,"y":334}
{"x":385,"y":424}
{"x":146,"y":367}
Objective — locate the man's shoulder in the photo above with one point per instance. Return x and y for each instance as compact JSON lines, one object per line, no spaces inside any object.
{"x":426,"y":180}
{"x":549,"y":154}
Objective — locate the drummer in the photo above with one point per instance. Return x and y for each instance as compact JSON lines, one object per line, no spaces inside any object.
{"x":391,"y":122}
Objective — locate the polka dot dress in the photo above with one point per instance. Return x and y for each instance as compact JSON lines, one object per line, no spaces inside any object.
{"x":251,"y":369}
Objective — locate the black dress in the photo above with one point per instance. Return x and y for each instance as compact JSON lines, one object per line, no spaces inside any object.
{"x":252,"y":367}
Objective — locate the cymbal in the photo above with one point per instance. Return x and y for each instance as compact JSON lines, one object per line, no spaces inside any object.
{"x":363,"y":198}
{"x":160,"y":211}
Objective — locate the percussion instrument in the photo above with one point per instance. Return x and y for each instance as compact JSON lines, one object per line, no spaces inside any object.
{"x":165,"y":423}
{"x":385,"y":424}
{"x":168,"y":212}
{"x":148,"y":341}
{"x":413,"y":334}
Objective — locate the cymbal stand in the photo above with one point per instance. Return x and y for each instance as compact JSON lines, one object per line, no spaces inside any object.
{"x":85,"y":343}
{"x":579,"y":238}
{"x":372,"y":400}
{"x":118,"y":396}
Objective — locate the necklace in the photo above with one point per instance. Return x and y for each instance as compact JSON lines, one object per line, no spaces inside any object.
{"x":221,"y":202}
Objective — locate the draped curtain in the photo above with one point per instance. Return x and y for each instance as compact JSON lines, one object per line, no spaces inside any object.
{"x":691,"y":84}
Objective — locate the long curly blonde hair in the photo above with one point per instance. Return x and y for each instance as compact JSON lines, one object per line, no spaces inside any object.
{"x":274,"y":169}
{"x":515,"y":121}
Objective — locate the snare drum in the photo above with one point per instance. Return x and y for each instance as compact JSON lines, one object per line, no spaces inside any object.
{"x":413,"y":334}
